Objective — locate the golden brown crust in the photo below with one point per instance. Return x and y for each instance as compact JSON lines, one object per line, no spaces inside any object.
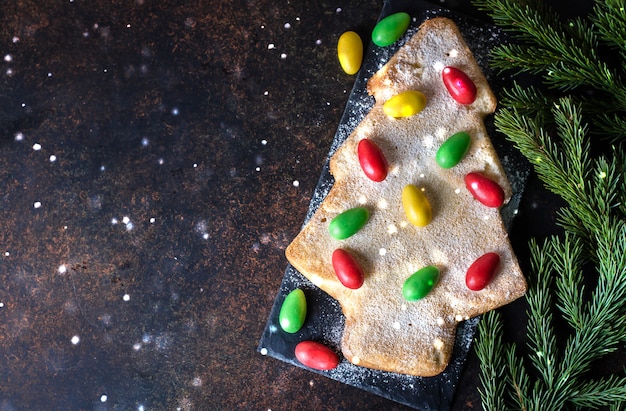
{"x":383,"y":330}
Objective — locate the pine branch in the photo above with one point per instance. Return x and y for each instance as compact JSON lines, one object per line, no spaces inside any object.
{"x":609,"y":17}
{"x":552,"y":133}
{"x":601,"y":393}
{"x":490,"y":347}
{"x":568,"y":54}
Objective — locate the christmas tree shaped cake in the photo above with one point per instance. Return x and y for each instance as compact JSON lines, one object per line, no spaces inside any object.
{"x":409,"y":239}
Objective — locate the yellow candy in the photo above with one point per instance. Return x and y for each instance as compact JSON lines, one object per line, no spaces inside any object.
{"x":405,"y":104}
{"x":350,"y":52}
{"x":416,"y":206}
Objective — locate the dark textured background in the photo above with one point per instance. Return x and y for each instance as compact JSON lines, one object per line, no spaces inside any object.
{"x":187,"y":140}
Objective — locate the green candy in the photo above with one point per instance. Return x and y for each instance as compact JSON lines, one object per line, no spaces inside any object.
{"x":348,"y":223}
{"x":293,"y":311}
{"x":390,"y":29}
{"x":420,"y":283}
{"x":453,"y":150}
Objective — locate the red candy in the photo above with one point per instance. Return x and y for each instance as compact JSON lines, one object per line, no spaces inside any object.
{"x":316,"y":355}
{"x":459,"y":85}
{"x":482,"y":271}
{"x":484,"y":190}
{"x":372,"y":160}
{"x":347,"y":269}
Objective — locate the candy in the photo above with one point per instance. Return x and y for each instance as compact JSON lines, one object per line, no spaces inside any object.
{"x":459,"y":85}
{"x":480,"y":273}
{"x":372,"y":160}
{"x":390,"y":29}
{"x":416,"y":206}
{"x":484,"y":190}
{"x":405,"y":104}
{"x":293,"y":311}
{"x":420,"y":283}
{"x":452,"y":151}
{"x":347,"y":269}
{"x":350,"y":52}
{"x":316,"y":355}
{"x":348,"y":223}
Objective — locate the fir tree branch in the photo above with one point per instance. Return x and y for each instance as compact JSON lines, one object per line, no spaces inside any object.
{"x":609,"y":17}
{"x":566,"y":53}
{"x":490,"y":347}
{"x":528,"y":101}
{"x":602,"y":393}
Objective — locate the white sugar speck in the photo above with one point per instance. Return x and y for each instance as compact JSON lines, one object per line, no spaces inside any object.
{"x":137,"y":346}
{"x":287,"y":26}
{"x":36,"y":146}
{"x":296,"y":183}
{"x":37,"y":204}
{"x":19,"y":136}
{"x":271,"y":46}
{"x":15,"y":39}
{"x":318,"y":42}
{"x":396,"y":325}
{"x":126,"y":297}
{"x":161,"y":161}
{"x":8,"y":58}
{"x":62,"y":269}
{"x":382,"y":252}
{"x":1,"y":305}
{"x":126,"y":220}
{"x":145,"y":141}
{"x":283,"y":56}
{"x":75,"y":339}
{"x":175,"y":111}
{"x":103,"y":398}
{"x":53,"y":158}
{"x":114,"y":221}
{"x":152,"y":220}
{"x":338,"y":10}
{"x":263,"y":351}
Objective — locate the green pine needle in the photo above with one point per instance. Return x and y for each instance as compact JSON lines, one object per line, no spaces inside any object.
{"x":579,"y":277}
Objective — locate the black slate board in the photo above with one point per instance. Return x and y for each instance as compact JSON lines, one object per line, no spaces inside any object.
{"x":325,"y":322}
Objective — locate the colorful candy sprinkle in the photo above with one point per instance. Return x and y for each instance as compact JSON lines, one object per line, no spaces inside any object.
{"x":350,"y":52}
{"x":453,"y":150}
{"x":485,"y":190}
{"x":347,"y":269}
{"x":372,"y":160}
{"x":418,"y":285}
{"x":348,"y":223}
{"x":293,"y":311}
{"x":459,"y":85}
{"x":416,"y":206}
{"x":405,"y":104}
{"x":390,"y":29}
{"x":316,"y":355}
{"x":480,"y":273}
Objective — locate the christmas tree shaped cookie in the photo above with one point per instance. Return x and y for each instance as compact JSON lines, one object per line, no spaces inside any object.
{"x":409,"y":239}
